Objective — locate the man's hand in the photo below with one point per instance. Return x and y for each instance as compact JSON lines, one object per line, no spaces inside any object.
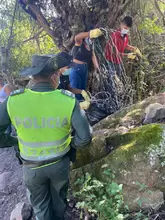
{"x":137,"y":51}
{"x":95,"y":33}
{"x":131,"y":56}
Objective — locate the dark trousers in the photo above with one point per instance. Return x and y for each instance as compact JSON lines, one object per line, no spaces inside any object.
{"x":78,"y":78}
{"x":9,"y":130}
{"x":47,"y":189}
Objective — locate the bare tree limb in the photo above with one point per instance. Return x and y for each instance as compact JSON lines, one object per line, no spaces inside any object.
{"x":159,"y":10}
{"x":163,"y":2}
{"x":33,"y":37}
{"x":123,"y":7}
{"x":11,"y":28}
{"x":72,"y":17}
{"x":5,"y":52}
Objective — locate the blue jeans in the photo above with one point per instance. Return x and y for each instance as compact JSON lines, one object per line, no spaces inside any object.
{"x":78,"y":78}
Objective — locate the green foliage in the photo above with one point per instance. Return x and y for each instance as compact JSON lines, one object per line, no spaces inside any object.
{"x":103,"y":199}
{"x":147,"y":73}
{"x":140,"y":216}
{"x":23,"y":51}
{"x":27,"y":39}
{"x":141,"y":186}
{"x":150,"y":26}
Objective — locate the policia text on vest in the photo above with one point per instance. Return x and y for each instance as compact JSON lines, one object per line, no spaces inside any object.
{"x":41,"y":123}
{"x":44,"y":132}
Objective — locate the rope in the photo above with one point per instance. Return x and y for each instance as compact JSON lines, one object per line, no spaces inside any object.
{"x":115,"y":93}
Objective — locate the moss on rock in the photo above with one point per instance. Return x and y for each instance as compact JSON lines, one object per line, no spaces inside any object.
{"x":133,"y":160}
{"x":135,"y":154}
{"x":138,"y":140}
{"x":126,"y":144}
{"x":94,"y":152}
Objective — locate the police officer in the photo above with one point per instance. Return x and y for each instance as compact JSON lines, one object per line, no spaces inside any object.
{"x":65,"y":83}
{"x":43,"y":118}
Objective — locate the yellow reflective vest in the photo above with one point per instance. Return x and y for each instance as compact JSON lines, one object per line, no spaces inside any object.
{"x":43,"y":123}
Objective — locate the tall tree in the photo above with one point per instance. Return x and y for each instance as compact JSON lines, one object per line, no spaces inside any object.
{"x":20,"y":38}
{"x":63,"y":19}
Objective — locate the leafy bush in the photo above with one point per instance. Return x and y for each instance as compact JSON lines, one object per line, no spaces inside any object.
{"x":101,"y":198}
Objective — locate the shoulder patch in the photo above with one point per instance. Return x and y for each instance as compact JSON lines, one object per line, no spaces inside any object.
{"x":68,"y":93}
{"x":17,"y":92}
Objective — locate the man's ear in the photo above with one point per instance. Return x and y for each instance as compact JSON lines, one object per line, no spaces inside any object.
{"x":58,"y":72}
{"x":63,"y":69}
{"x":55,"y":80}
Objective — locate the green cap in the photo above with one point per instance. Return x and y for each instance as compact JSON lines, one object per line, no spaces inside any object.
{"x":47,"y":63}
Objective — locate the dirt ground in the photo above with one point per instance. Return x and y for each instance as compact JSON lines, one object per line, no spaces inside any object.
{"x":12,"y":189}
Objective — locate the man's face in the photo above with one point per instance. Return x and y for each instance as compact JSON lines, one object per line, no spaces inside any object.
{"x":124,"y":26}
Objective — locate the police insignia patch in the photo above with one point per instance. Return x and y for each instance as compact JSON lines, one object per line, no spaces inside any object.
{"x":17,"y":92}
{"x":66,"y":92}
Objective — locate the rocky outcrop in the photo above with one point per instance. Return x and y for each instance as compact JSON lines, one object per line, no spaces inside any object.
{"x":22,"y":211}
{"x":134,"y":151}
{"x":154,"y":113}
{"x":119,"y":123}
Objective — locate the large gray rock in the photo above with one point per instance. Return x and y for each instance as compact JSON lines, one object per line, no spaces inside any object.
{"x":22,"y":211}
{"x":137,"y":160}
{"x":135,"y":152}
{"x":154,"y":113}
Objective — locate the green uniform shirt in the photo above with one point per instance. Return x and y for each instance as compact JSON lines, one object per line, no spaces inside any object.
{"x":83,"y":131}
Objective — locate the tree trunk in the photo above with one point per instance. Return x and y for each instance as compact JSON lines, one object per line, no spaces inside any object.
{"x":62,"y":20}
{"x":4,"y":67}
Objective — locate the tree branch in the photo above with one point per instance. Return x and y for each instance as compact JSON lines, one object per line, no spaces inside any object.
{"x":34,"y":37}
{"x":41,"y":19}
{"x":5,"y":52}
{"x":12,"y":25}
{"x":162,"y":1}
{"x":43,"y":22}
{"x":123,"y":7}
{"x":159,"y":10}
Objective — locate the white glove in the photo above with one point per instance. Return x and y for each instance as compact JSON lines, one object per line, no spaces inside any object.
{"x":84,"y":105}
